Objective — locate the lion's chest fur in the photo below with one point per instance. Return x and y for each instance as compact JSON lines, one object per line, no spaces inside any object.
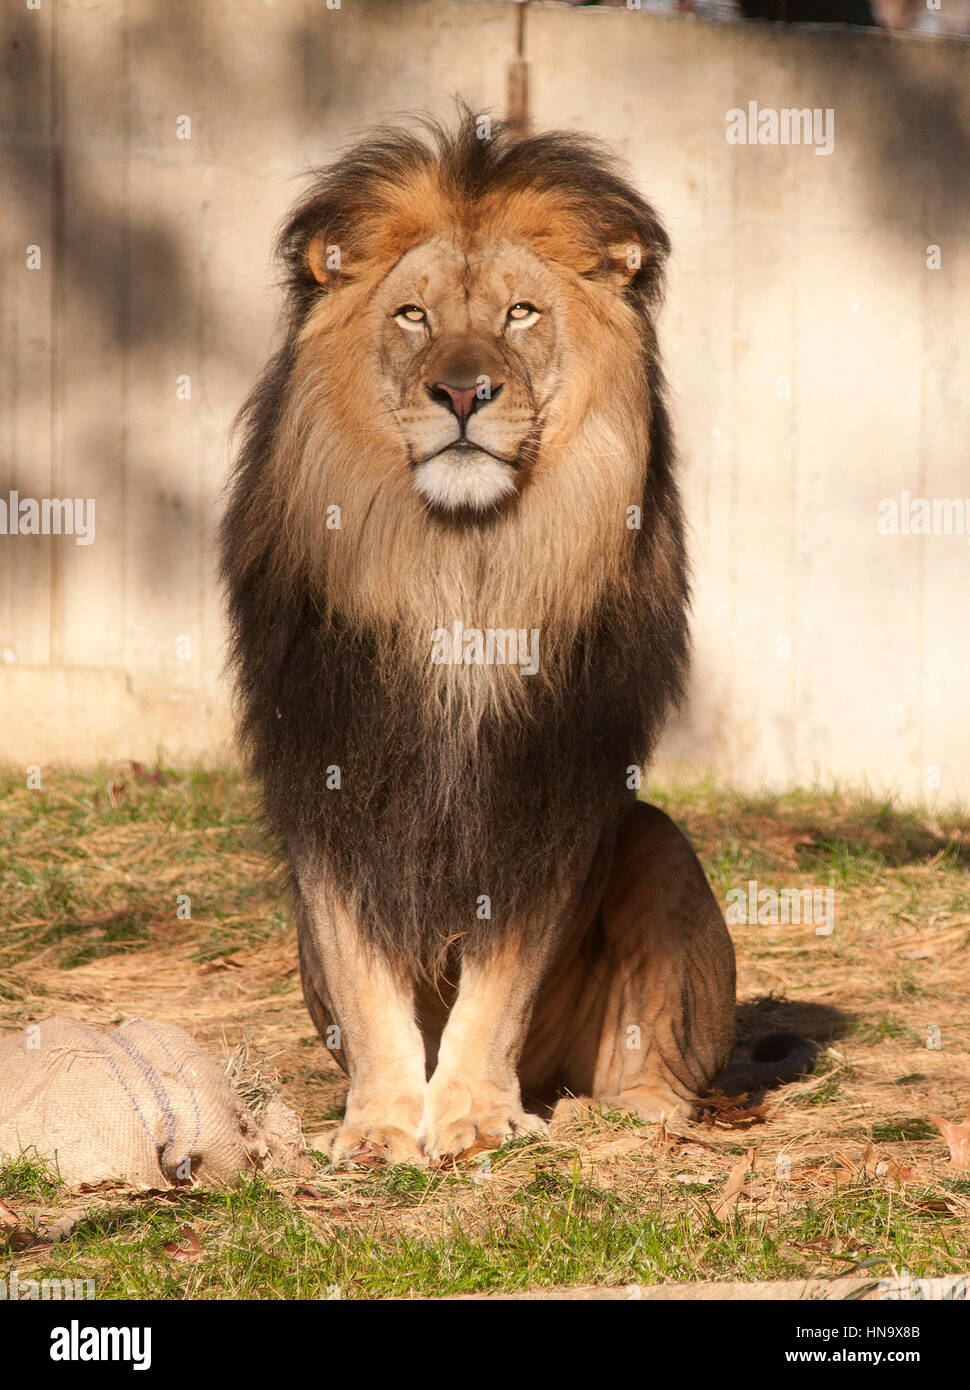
{"x":431,"y":802}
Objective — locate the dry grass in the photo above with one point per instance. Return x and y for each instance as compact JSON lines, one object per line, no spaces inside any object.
{"x":843,"y":1167}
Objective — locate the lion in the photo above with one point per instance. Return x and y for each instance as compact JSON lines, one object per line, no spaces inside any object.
{"x":458,"y":596}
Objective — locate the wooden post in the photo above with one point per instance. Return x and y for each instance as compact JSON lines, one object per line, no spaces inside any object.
{"x":517,"y":106}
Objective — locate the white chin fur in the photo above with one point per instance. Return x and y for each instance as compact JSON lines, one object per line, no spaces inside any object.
{"x":471,"y":480}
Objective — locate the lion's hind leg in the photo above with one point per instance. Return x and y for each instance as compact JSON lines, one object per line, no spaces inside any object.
{"x":658,"y":1021}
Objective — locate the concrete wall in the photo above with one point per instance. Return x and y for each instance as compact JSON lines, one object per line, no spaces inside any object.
{"x":823,"y":648}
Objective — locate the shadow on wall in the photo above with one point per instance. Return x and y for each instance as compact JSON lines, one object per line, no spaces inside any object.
{"x":133,"y":279}
{"x":128,"y":262}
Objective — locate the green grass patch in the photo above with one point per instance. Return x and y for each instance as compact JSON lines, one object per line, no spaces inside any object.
{"x":897,"y":1131}
{"x":885,"y":1028}
{"x":28,"y":1178}
{"x":255,"y":1243}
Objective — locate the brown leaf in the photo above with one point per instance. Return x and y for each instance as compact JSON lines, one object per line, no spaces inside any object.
{"x":189,"y":1252}
{"x":8,"y":1217}
{"x":24,"y":1239}
{"x":936,"y":1205}
{"x":957,"y":1140}
{"x":731,"y":1112}
{"x":61,"y":1228}
{"x":813,"y":1247}
{"x":716,"y":1100}
{"x":889,"y":1168}
{"x":734,"y":1186}
{"x":480,"y":1146}
{"x":157,"y":777}
{"x":366,"y":1155}
{"x":48,"y":1234}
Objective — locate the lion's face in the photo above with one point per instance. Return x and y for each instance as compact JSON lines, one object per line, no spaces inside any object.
{"x":469,"y":360}
{"x":459,"y":425}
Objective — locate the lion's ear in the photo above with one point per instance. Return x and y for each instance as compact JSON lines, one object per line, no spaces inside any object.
{"x":625,"y":259}
{"x":323,"y":259}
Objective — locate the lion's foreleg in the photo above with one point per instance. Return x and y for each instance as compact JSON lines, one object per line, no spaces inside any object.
{"x":364,"y":1008}
{"x":473,"y":1097}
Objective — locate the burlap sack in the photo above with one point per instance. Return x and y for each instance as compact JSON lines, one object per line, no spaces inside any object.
{"x":142,"y":1104}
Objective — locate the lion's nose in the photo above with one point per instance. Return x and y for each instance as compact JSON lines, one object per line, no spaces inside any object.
{"x":462,"y":401}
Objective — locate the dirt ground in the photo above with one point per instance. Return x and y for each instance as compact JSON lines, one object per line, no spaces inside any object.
{"x":94,"y":869}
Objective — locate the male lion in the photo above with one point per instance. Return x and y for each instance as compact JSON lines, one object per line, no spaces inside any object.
{"x":461,"y":455}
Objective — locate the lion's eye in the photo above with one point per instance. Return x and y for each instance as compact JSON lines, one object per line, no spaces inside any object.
{"x":522,"y":315}
{"x":411,"y":316}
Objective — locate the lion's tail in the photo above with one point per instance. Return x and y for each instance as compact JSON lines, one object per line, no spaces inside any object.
{"x":776,"y":1059}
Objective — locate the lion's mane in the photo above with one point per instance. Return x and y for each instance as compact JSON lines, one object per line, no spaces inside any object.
{"x":462,"y":782}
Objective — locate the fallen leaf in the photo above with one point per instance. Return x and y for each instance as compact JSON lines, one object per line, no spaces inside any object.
{"x":48,"y":1234}
{"x":189,"y":1252}
{"x":8,"y":1217}
{"x":936,"y":1205}
{"x":814,"y":1247}
{"x":665,"y":1143}
{"x":23,"y":1239}
{"x":889,"y":1168}
{"x":716,"y":1100}
{"x":733,"y":1187}
{"x":480,"y":1146}
{"x":61,"y":1228}
{"x":366,"y":1155}
{"x":957,"y":1140}
{"x":731,"y":1112}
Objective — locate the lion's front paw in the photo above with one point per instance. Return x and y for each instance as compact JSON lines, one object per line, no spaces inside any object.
{"x":367,"y":1145}
{"x":479,"y":1130}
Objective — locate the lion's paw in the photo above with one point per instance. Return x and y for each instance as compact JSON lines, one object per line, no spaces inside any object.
{"x":478,"y":1132}
{"x":654,"y":1105}
{"x":367,"y":1146}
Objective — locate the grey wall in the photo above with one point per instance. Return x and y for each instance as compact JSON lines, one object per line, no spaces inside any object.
{"x":823,"y":648}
